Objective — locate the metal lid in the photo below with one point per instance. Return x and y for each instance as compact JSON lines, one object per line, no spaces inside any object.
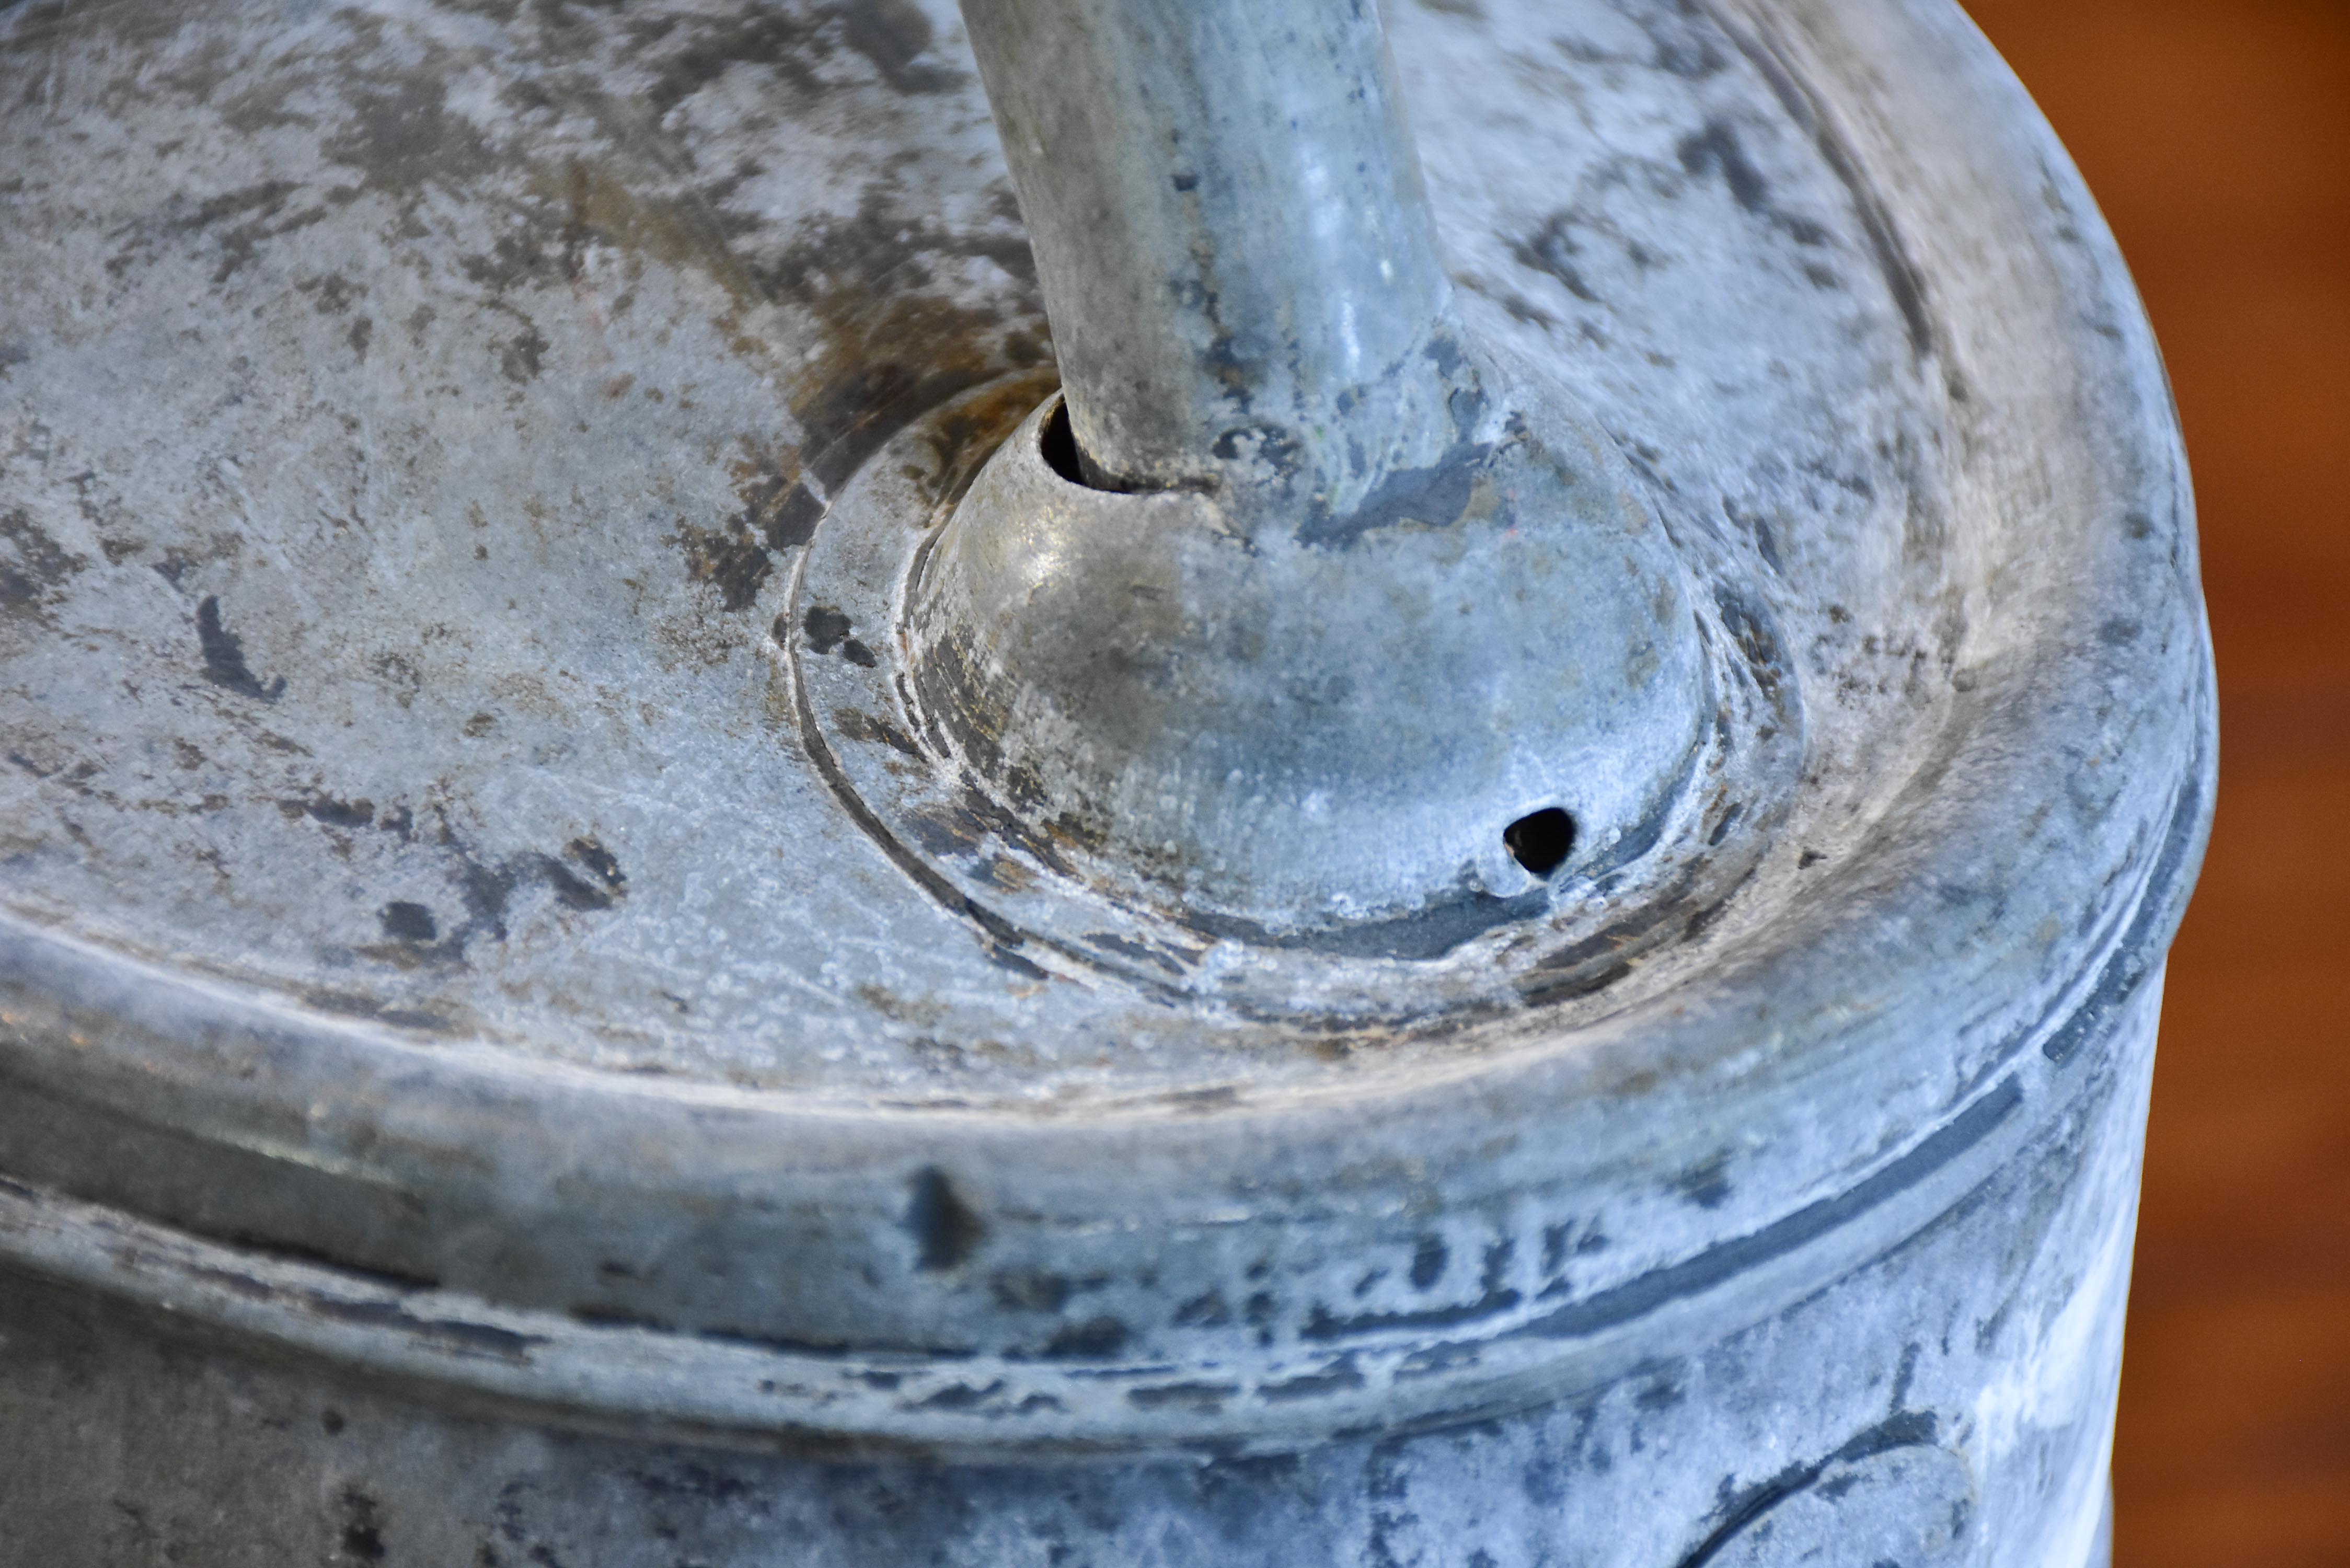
{"x":486,"y":900}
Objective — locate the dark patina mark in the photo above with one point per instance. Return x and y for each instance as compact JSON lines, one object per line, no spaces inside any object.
{"x":945,"y":1230}
{"x":1705,"y":1183}
{"x":406,"y":923}
{"x":224,"y":654}
{"x":42,"y":565}
{"x":1095,"y":1339}
{"x":827,"y":628}
{"x":728,"y":559}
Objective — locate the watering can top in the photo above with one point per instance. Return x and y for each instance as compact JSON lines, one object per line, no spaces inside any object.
{"x":486,"y":895}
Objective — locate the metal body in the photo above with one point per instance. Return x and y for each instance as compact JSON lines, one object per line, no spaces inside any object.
{"x":528,"y":1034}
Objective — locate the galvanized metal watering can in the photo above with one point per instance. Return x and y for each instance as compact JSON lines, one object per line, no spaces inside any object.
{"x":1083,"y":784}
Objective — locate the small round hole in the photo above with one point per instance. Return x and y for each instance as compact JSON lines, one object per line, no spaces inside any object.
{"x":1540,"y":841}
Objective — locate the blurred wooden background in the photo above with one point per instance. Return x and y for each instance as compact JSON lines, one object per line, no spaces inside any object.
{"x":2216,"y":134}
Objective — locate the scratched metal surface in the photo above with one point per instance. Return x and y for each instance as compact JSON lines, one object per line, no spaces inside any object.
{"x":413,"y":415}
{"x":407,"y":428}
{"x":1930,"y":1410}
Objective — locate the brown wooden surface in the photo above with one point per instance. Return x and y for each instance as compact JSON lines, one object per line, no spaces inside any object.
{"x":2216,"y":134}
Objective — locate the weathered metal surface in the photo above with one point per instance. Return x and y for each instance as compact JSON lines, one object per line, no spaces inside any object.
{"x":463,"y":928}
{"x":1949,"y":1404}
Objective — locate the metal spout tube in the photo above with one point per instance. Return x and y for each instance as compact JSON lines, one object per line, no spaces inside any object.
{"x":1232,"y":239}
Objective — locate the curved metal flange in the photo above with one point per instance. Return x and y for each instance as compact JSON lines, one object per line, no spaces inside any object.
{"x":1376,"y":1373}
{"x":1048,"y":891}
{"x":1306,"y":614}
{"x":845,"y":1403}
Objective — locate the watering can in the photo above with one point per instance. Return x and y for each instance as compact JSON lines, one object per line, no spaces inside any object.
{"x":1080,"y":782}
